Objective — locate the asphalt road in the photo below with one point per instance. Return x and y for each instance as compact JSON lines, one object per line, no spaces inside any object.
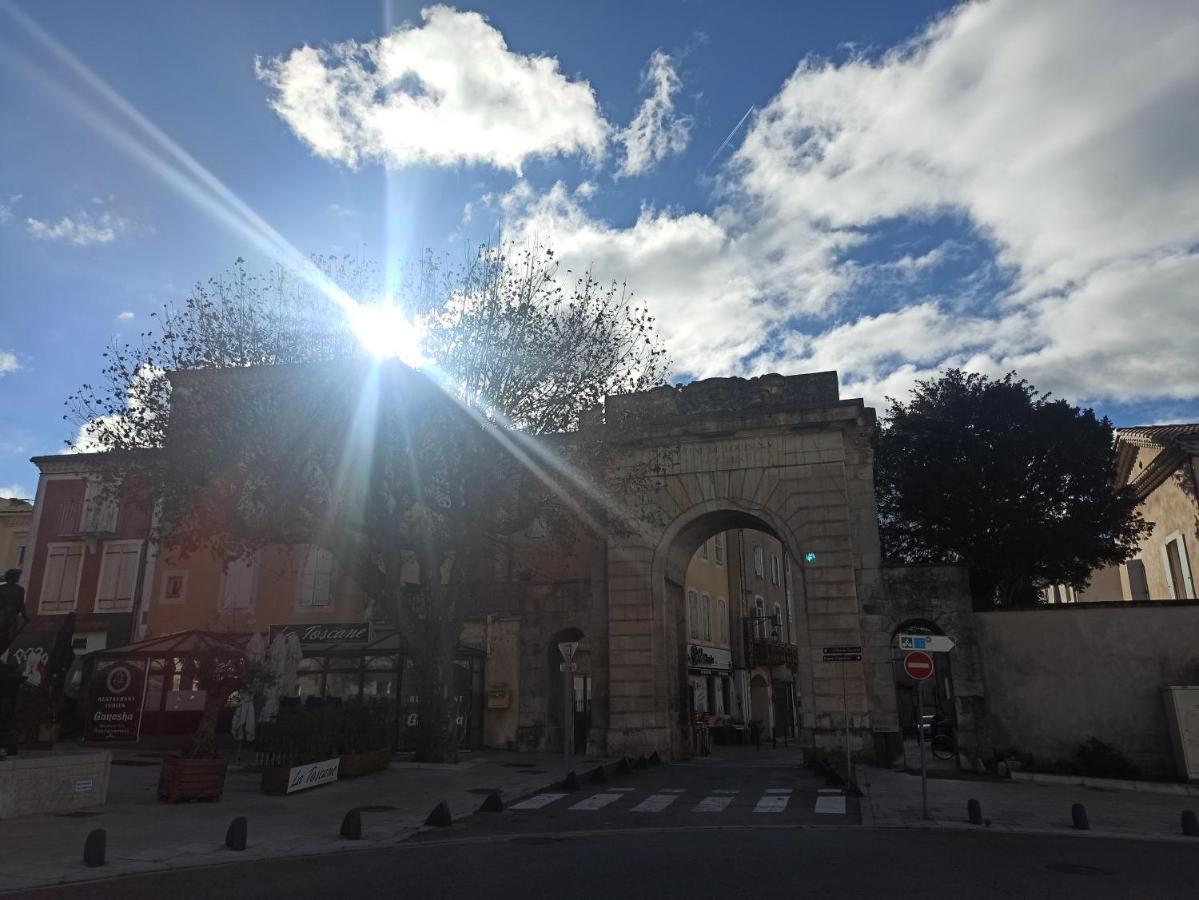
{"x":700,"y":863}
{"x":737,"y":825}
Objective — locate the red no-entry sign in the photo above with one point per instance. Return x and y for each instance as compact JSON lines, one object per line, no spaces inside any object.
{"x":918,"y":665}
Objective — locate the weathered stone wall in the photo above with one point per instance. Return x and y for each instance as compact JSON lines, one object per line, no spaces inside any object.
{"x":1060,"y":674}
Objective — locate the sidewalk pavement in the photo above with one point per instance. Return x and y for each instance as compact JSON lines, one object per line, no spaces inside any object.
{"x":145,"y":834}
{"x":892,"y":800}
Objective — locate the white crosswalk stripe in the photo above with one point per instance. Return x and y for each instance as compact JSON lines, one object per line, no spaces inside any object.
{"x":830,"y":804}
{"x":772,"y":803}
{"x":715,"y":803}
{"x":598,"y":801}
{"x":537,"y":802}
{"x":657,"y":802}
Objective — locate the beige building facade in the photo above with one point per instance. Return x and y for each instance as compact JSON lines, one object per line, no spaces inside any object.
{"x":16,"y":518}
{"x":1160,"y":463}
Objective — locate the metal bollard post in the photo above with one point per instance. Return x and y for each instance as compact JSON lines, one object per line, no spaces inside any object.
{"x":974,"y":812}
{"x":1078,"y":813}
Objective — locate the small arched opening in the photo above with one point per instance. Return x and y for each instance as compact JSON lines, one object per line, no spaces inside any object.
{"x":925,"y":710}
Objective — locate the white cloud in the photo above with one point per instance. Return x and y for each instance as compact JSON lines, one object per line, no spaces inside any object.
{"x":1061,"y":136}
{"x":1065,"y":133}
{"x":446,"y":92}
{"x":8,"y":362}
{"x":82,"y":230}
{"x":13,"y":492}
{"x":657,"y":131}
{"x":125,"y":315}
{"x":6,"y":207}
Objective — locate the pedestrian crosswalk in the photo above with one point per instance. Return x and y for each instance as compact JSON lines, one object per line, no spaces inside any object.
{"x":766,"y":801}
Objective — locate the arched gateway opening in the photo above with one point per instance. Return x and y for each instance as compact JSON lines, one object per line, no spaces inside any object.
{"x":783,"y":457}
{"x":731,"y":586}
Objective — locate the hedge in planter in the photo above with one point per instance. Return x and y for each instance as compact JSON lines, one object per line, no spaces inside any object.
{"x":356,"y":732}
{"x":364,"y":737}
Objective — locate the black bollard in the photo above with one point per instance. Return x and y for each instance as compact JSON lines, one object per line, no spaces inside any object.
{"x":642,"y":762}
{"x":235,"y":837}
{"x":655,"y":759}
{"x":1078,"y":813}
{"x":440,"y":817}
{"x":622,"y":767}
{"x":351,"y":825}
{"x":493,"y":803}
{"x":94,"y":847}
{"x":1190,"y":824}
{"x":974,"y":812}
{"x":599,"y":776}
{"x":571,"y":781}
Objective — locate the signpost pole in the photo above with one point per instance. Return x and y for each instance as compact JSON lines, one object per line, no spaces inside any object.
{"x":920,"y":741}
{"x":568,"y":731}
{"x":845,"y":707}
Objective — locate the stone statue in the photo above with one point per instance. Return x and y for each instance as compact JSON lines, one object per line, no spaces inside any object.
{"x":12,"y":606}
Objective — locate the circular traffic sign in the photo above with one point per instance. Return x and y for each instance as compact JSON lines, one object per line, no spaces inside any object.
{"x":918,"y":665}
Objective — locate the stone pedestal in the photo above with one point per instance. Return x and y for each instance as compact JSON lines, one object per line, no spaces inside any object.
{"x":53,"y":782}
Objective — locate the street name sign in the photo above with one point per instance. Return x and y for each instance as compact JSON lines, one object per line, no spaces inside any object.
{"x":929,"y":643}
{"x":918,"y":665}
{"x":845,"y":653}
{"x":568,"y":667}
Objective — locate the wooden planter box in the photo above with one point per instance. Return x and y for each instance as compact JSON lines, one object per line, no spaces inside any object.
{"x":355,"y":764}
{"x":191,"y":779}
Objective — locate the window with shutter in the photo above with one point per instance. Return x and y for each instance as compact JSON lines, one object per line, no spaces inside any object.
{"x":706,"y":617}
{"x":99,"y":510}
{"x":237,"y":587}
{"x":60,"y":584}
{"x":693,"y":614}
{"x":118,"y":575}
{"x":759,"y":564}
{"x":316,"y":578}
{"x":718,"y":546}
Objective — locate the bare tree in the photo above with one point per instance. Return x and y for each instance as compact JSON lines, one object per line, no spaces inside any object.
{"x":272,"y":427}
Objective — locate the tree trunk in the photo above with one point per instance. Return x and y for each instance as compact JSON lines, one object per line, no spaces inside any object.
{"x":203,"y":742}
{"x":436,"y":736}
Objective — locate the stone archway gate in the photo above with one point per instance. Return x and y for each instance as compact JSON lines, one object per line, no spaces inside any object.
{"x":784,"y":454}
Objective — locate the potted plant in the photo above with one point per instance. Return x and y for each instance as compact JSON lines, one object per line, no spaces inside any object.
{"x":199,"y":773}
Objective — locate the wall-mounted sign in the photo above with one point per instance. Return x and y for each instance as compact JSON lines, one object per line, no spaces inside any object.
{"x":117,"y":690}
{"x":326,"y":632}
{"x":300,"y":778}
{"x":715,"y":658}
{"x":85,"y":786}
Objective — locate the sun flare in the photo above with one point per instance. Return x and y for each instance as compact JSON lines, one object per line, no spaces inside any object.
{"x":386,"y":333}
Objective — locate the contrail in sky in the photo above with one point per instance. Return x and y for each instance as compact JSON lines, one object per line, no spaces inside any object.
{"x":736,"y":128}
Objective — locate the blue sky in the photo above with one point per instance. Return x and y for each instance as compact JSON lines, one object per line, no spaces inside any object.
{"x":996,"y":185}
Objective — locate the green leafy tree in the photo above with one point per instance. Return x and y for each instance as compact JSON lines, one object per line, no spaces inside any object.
{"x":1006,"y":481}
{"x":269,"y":426}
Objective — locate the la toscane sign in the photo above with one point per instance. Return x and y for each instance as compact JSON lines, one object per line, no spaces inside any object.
{"x":326,"y":632}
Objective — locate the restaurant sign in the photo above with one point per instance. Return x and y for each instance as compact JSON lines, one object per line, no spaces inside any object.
{"x":716,"y":658}
{"x":326,"y":632}
{"x":301,"y":778}
{"x":118,"y":688}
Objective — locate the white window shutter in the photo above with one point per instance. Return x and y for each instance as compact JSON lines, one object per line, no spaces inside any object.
{"x":1185,"y":565}
{"x":110,"y":570}
{"x":128,"y":568}
{"x":1170,"y":586}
